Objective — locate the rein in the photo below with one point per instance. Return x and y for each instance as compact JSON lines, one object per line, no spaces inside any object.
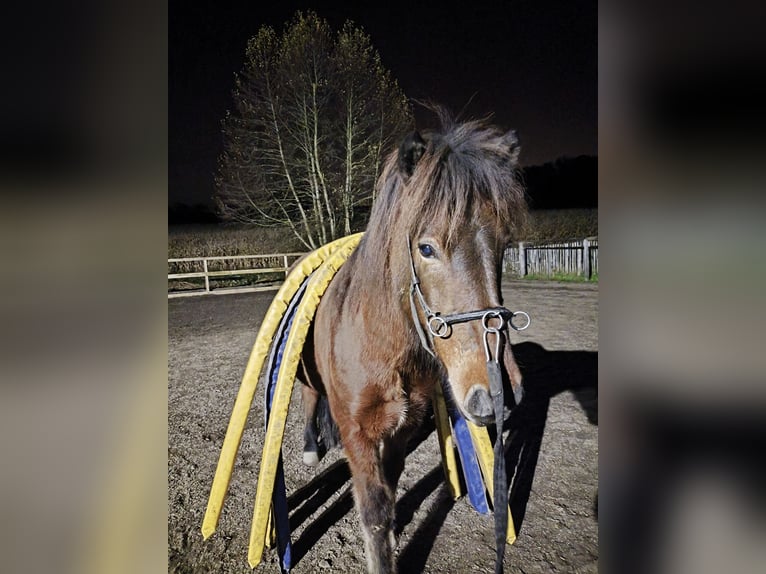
{"x":494,"y":320}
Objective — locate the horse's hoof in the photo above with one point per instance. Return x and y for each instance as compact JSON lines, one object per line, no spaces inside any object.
{"x":310,"y":458}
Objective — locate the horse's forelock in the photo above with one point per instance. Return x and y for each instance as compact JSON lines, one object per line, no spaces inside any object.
{"x":466,"y":173}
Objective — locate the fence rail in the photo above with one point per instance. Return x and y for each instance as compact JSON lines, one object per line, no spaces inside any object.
{"x":270,"y":269}
{"x":567,"y":258}
{"x":523,"y":259}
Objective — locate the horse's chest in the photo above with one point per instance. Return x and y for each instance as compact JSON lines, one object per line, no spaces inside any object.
{"x":381,"y":412}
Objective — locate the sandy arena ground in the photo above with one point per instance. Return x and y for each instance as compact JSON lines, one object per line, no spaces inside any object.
{"x":554,"y":496}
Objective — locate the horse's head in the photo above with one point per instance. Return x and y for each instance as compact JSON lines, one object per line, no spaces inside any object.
{"x":460,"y":201}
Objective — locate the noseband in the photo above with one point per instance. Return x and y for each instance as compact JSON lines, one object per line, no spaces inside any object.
{"x":439,"y":325}
{"x":494,"y":320}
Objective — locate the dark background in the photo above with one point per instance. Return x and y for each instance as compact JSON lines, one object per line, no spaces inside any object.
{"x":531,"y":64}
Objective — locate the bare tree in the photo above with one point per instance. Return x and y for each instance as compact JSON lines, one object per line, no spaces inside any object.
{"x":314,"y":114}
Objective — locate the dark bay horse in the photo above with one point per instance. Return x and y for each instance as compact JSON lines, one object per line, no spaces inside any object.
{"x":447,"y":204}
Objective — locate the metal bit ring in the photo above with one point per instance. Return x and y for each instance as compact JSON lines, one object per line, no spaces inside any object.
{"x":438,"y":327}
{"x":514,"y":327}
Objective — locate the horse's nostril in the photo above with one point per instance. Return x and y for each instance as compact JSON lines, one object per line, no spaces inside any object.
{"x":479,"y":404}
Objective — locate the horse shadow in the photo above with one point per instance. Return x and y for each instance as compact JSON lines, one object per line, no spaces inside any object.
{"x":311,"y":497}
{"x":304,"y":502}
{"x":546,"y":374}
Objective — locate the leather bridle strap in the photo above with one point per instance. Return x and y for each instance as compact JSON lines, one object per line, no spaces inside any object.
{"x":425,"y":341}
{"x":495,"y":378}
{"x":439,"y":325}
{"x":500,"y":494}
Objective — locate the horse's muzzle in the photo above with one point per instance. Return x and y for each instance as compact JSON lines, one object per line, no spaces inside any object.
{"x":478,"y":406}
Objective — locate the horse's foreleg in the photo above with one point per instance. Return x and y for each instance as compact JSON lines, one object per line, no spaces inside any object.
{"x":393,"y":453}
{"x":375,"y":504}
{"x":310,"y":431}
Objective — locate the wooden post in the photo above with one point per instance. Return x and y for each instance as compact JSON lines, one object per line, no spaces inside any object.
{"x":207,"y":279}
{"x":586,"y":258}
{"x":522,"y":260}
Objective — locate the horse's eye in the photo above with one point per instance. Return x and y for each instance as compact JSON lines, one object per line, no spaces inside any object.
{"x":426,"y":250}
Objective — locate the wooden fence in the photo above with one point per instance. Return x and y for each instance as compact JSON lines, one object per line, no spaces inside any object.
{"x":550,"y":259}
{"x":227,"y":274}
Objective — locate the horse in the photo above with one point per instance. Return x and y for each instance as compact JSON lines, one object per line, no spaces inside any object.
{"x":447,"y":204}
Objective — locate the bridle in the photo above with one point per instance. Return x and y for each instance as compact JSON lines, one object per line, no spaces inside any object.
{"x":439,"y":325}
{"x":494,"y":320}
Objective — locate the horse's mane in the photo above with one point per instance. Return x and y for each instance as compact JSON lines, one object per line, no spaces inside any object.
{"x":467,"y":169}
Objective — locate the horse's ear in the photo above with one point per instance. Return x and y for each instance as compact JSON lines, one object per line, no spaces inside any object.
{"x":514,"y":147}
{"x":410,"y":152}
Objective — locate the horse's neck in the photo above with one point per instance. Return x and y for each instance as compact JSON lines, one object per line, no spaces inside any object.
{"x":384,"y":282}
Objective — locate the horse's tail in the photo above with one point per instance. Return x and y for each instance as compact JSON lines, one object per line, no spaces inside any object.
{"x":328,"y":429}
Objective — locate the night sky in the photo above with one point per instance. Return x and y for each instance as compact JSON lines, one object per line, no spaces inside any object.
{"x":531,"y":63}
